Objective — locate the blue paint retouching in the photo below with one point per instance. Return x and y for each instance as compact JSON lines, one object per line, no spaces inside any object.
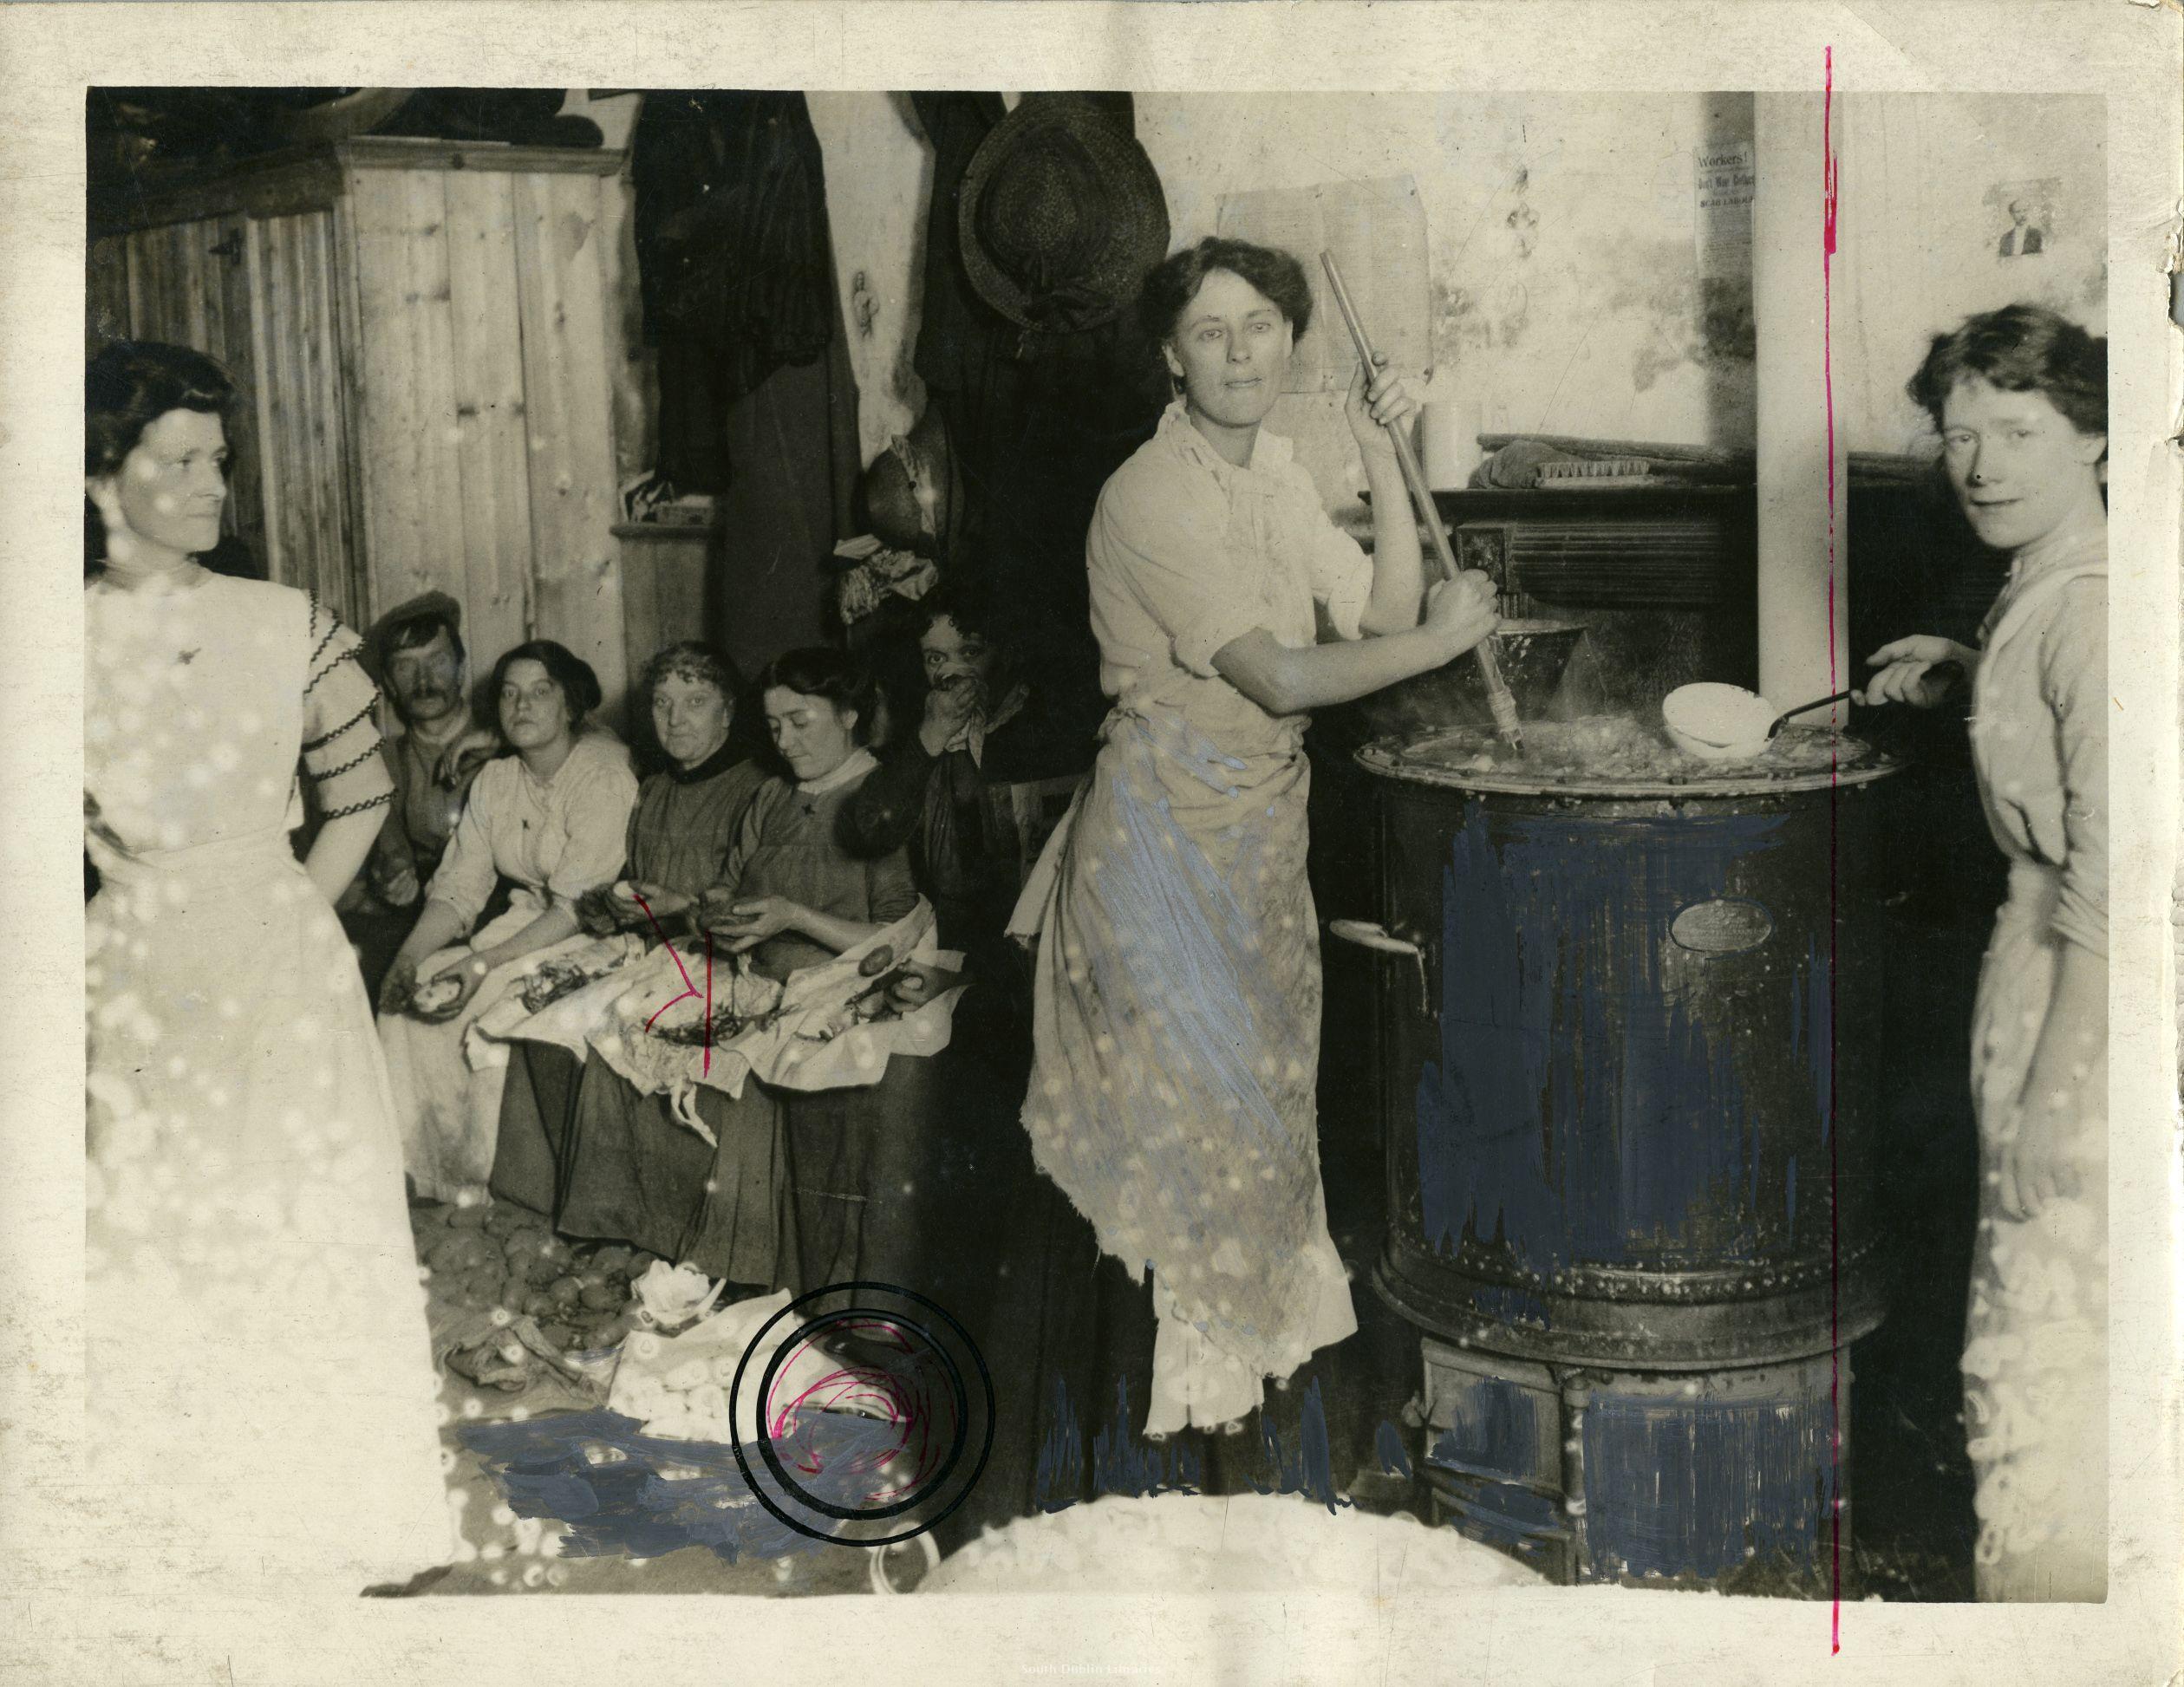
{"x":1122,"y":1463}
{"x":1819,"y":1021}
{"x":622,"y":1503}
{"x":1310,"y":1473}
{"x":1061,"y":1453}
{"x":1387,"y":1447}
{"x":1500,"y":1429}
{"x":1694,"y":1488}
{"x":1599,"y":1092}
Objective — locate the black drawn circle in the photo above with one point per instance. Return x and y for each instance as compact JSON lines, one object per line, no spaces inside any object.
{"x":957,"y":1443}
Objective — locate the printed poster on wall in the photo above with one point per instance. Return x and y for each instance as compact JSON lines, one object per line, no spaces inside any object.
{"x":1726,"y":180}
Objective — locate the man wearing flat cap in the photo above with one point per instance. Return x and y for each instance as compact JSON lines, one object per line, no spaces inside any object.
{"x":415,"y":652}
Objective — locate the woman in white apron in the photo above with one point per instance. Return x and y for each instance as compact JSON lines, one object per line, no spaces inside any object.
{"x":1177,"y":988}
{"x":2020,"y":396}
{"x":260,"y":1391}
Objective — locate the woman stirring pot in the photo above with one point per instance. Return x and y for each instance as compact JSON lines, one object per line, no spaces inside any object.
{"x":2020,"y":396}
{"x":1177,"y":1012}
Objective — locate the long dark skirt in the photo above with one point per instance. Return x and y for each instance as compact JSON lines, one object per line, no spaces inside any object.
{"x":1067,"y":1333}
{"x":534,"y":1124}
{"x":630,"y":1171}
{"x":1069,"y":1343}
{"x":862,"y":1168}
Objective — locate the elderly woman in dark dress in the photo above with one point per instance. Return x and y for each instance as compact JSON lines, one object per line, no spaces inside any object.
{"x":579,"y":1142}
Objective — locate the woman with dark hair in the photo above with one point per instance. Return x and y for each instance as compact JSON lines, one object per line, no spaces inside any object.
{"x":579,"y":1142}
{"x":790,"y":894}
{"x":1176,"y":987}
{"x":239,"y":1133}
{"x":2020,"y":398}
{"x":552,"y":817}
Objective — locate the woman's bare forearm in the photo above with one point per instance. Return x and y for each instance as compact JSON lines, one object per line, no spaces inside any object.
{"x":1398,"y":570}
{"x":831,"y":932}
{"x":339,"y":851}
{"x":1285,"y":682}
{"x":2074,"y":1032}
{"x":556,"y":923}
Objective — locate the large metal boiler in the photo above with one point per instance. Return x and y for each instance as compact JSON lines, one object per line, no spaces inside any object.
{"x":1629,"y":1084}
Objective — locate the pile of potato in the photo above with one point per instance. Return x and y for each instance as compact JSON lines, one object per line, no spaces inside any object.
{"x":491,"y":1255}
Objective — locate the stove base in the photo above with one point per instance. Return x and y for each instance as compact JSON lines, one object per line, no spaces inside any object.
{"x":1690,"y":1480}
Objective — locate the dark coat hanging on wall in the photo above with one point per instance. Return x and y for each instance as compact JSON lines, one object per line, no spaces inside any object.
{"x":734,"y":269}
{"x":757,"y":400}
{"x":1038,"y":422}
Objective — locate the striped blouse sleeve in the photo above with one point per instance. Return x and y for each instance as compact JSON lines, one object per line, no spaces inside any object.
{"x":341,"y":739}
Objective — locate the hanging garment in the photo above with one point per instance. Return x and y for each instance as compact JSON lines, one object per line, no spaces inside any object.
{"x":733,"y":268}
{"x":1037,"y":424}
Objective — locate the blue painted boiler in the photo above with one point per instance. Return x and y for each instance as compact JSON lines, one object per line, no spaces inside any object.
{"x":1629,"y":1055}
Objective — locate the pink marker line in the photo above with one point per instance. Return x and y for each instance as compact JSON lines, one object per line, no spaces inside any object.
{"x":1831,"y":186}
{"x":705,"y":1064}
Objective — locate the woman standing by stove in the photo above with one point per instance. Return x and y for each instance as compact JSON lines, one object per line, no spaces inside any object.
{"x":2020,"y":396}
{"x":1177,"y":989}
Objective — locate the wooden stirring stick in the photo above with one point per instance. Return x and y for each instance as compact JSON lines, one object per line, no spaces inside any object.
{"x":1498,"y":698}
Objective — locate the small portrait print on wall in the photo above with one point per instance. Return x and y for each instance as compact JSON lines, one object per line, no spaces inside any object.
{"x":2025,"y":213}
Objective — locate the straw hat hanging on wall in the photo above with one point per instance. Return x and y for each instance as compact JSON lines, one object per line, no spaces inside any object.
{"x":1061,"y":215}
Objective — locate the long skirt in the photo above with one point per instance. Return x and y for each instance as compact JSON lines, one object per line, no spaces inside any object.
{"x":1176,"y":1035}
{"x":860,"y":1166}
{"x":534,"y":1125}
{"x":2036,"y":1349}
{"x":259,"y":1383}
{"x":631,"y":1171}
{"x":447,"y":1084}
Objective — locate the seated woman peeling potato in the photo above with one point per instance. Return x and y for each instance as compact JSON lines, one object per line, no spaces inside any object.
{"x":607,"y":1161}
{"x":786,"y":894}
{"x":553,"y":817}
{"x":792,"y":896}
